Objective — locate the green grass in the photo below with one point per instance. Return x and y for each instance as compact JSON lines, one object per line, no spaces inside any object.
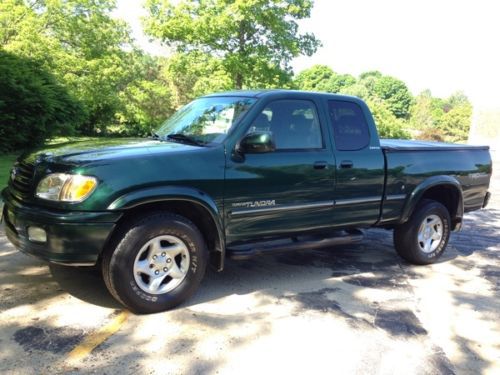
{"x":59,"y":140}
{"x":6,"y":162}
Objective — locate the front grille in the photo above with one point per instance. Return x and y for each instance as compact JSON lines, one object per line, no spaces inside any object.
{"x":21,"y":180}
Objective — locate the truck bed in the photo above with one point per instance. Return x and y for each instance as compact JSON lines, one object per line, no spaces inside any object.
{"x":406,"y":145}
{"x":411,"y":163}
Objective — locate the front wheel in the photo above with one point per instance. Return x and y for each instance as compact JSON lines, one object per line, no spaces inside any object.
{"x":423,"y":238}
{"x":158,"y":263}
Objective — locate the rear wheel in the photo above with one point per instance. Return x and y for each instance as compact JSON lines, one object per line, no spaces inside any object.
{"x":157,"y":263}
{"x":423,"y":238}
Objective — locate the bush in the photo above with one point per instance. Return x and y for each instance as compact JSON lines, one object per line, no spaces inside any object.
{"x":387,"y":124}
{"x":33,"y":106}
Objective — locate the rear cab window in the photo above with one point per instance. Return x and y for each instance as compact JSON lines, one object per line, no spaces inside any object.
{"x":350,"y":129}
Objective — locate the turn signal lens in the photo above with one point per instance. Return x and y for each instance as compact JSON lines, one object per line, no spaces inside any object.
{"x":77,"y":188}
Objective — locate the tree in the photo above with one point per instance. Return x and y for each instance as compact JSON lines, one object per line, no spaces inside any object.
{"x":147,"y":100}
{"x":339,"y":82}
{"x":421,"y":113}
{"x":255,"y":39}
{"x":396,"y":95}
{"x":441,"y":119}
{"x":313,"y":78}
{"x":357,"y":89}
{"x":78,"y":41}
{"x":196,"y":73}
{"x":322,"y":78}
{"x":392,"y":91}
{"x":33,"y":106}
{"x":388,"y":125}
{"x":456,"y":120}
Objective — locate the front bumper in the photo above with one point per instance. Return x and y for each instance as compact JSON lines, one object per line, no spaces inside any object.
{"x":73,"y":237}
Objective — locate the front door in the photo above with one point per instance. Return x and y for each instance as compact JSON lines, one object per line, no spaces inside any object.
{"x":285,"y":191}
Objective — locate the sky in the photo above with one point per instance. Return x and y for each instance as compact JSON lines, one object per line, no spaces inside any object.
{"x":441,"y":45}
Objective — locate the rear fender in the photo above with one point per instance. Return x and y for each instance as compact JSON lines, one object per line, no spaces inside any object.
{"x":424,"y":187}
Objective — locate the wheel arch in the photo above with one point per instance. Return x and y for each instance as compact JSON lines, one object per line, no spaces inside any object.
{"x":443,"y":189}
{"x":193,"y":204}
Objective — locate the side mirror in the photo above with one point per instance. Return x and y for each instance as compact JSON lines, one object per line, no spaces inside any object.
{"x":256,"y":143}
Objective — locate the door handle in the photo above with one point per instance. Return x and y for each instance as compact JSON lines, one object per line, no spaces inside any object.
{"x":320,"y":165}
{"x":346,"y":164}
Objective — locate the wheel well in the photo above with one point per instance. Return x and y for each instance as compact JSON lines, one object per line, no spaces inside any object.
{"x":192,"y":211}
{"x":447,"y":195}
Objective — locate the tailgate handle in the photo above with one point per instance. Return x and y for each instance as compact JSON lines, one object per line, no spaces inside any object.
{"x":320,"y":165}
{"x":346,"y":164}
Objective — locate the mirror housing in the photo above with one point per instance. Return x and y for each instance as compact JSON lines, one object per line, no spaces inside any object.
{"x":256,"y":143}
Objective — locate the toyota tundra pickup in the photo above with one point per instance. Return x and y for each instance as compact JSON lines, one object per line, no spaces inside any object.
{"x":233,"y":175}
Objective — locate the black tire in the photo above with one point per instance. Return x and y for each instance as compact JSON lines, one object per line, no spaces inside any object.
{"x":127,"y":285}
{"x":406,"y":236}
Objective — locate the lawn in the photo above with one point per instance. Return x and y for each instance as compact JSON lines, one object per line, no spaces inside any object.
{"x":6,"y":162}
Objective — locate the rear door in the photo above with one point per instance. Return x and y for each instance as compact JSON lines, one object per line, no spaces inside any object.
{"x":286,"y":191}
{"x":359,"y":164}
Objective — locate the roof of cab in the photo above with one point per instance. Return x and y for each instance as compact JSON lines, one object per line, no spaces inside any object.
{"x":279,"y":92}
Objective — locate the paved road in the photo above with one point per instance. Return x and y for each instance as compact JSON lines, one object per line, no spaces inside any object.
{"x":345,"y":310}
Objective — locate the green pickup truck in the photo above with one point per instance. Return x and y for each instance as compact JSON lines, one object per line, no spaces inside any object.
{"x":234,"y":175}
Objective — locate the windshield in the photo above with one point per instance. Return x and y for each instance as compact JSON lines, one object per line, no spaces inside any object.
{"x":205,"y":121}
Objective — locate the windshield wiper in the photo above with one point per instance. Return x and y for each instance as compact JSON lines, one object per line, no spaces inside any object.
{"x":183,"y":138}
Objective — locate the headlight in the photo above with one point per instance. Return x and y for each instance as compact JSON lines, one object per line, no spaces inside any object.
{"x":65,"y":187}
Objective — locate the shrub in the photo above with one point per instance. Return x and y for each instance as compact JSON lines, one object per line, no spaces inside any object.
{"x":33,"y":106}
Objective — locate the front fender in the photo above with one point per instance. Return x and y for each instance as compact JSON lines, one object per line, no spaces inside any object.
{"x":173,"y":193}
{"x":431,"y":182}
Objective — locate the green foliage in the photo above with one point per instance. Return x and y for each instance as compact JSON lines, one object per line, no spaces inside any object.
{"x":6,"y":162}
{"x":374,"y":84}
{"x":396,"y":112}
{"x":196,"y":73}
{"x":357,"y":89}
{"x":441,"y":119}
{"x":339,"y":82}
{"x":313,"y":78}
{"x":388,"y":98}
{"x":323,"y":78}
{"x":78,"y":41}
{"x":72,"y":67}
{"x":147,"y":99}
{"x":388,"y":125}
{"x":33,"y":106}
{"x":375,"y":74}
{"x":254,"y":39}
{"x":455,"y":123}
{"x":392,"y":91}
{"x":396,"y":95}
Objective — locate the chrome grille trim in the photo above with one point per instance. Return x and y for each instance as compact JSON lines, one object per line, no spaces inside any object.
{"x":22,"y":183}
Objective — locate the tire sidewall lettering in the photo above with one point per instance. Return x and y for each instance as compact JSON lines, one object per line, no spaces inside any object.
{"x":141,"y":294}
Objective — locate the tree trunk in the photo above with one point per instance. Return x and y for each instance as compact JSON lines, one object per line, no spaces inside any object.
{"x":241,"y":52}
{"x":239,"y":81}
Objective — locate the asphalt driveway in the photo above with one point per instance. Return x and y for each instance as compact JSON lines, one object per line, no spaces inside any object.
{"x":356,"y":309}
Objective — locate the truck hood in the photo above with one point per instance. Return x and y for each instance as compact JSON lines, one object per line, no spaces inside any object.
{"x":101,"y":149}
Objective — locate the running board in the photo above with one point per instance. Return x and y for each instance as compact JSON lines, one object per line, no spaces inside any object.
{"x":249,"y":250}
